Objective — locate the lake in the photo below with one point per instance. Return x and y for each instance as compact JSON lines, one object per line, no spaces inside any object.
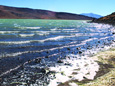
{"x":45,"y":42}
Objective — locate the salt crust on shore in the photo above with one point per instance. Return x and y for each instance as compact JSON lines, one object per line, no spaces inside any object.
{"x":73,"y":84}
{"x":78,"y":69}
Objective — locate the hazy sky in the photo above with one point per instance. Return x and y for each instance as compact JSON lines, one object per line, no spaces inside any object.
{"x":102,"y":7}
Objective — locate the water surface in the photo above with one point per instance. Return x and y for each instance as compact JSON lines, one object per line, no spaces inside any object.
{"x":22,"y":40}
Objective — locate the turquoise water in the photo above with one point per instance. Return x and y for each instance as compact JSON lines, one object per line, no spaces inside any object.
{"x":41,"y":34}
{"x":22,"y":40}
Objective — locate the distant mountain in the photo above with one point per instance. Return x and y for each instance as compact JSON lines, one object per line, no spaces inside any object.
{"x":7,"y":12}
{"x":91,"y":15}
{"x":109,"y":19}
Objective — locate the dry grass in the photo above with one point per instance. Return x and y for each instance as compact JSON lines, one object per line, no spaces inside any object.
{"x":106,"y":74}
{"x":106,"y":80}
{"x":107,"y":57}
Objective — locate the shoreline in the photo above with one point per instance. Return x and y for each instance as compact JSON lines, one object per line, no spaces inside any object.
{"x":106,"y":69}
{"x":96,"y":71}
{"x":99,"y":22}
{"x":106,"y":74}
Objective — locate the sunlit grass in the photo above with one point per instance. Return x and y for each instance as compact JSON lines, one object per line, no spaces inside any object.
{"x":106,"y":80}
{"x":106,"y":75}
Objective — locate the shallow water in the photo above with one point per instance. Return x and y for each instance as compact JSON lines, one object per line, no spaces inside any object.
{"x":22,"y":40}
{"x":35,"y":35}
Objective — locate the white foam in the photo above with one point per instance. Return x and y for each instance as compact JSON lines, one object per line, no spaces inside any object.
{"x":56,"y":38}
{"x":5,"y":32}
{"x":85,"y":66}
{"x":68,"y":29}
{"x":45,"y":32}
{"x":88,"y":34}
{"x":90,"y":29}
{"x":101,"y":26}
{"x":26,"y":35}
{"x":13,"y":54}
{"x":14,"y":42}
{"x":88,"y":40}
{"x":42,"y":32}
{"x":73,"y":84}
{"x":54,"y":29}
{"x":30,"y":27}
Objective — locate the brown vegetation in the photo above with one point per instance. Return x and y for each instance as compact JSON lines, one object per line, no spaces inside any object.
{"x":109,"y":19}
{"x":27,"y":13}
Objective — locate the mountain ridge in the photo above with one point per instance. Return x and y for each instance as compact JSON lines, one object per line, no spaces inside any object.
{"x":7,"y":12}
{"x":92,"y":15}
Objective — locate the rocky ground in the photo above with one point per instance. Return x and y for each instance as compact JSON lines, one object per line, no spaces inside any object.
{"x":106,"y":74}
{"x":109,"y":19}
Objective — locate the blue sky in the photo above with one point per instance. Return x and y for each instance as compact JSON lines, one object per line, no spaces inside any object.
{"x":102,"y":7}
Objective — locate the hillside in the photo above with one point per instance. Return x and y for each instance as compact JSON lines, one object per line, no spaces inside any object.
{"x":109,"y":19}
{"x":7,"y":12}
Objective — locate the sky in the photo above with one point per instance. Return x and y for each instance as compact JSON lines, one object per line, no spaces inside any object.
{"x":101,"y":7}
